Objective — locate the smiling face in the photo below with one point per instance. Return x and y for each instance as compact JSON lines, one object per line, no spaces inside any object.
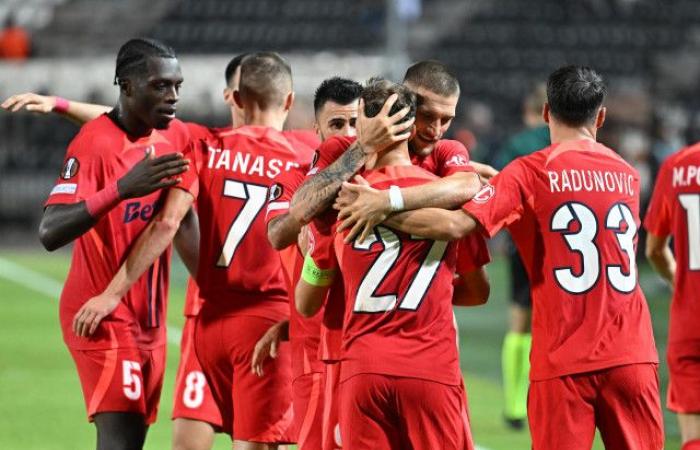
{"x":154,"y":95}
{"x":334,"y":119}
{"x":434,"y":115}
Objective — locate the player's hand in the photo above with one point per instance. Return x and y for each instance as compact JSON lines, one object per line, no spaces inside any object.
{"x":485,"y":171}
{"x":30,"y":101}
{"x":90,"y":315}
{"x":148,"y":175}
{"x":268,"y":346}
{"x":381,"y":131}
{"x":361,"y":208}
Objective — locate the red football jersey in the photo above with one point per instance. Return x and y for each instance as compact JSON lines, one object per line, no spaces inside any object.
{"x":675,"y":211}
{"x":398,"y":302}
{"x":97,"y":157}
{"x":573,"y":212}
{"x":239,"y":270}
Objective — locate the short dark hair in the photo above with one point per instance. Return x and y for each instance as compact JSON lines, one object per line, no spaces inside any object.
{"x":574,"y":94}
{"x":266,"y":78}
{"x":377,"y":90}
{"x":132,"y":56}
{"x":232,"y":66}
{"x":433,"y":76}
{"x":339,"y":90}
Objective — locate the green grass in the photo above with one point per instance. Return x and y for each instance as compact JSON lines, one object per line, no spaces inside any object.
{"x":42,"y":408}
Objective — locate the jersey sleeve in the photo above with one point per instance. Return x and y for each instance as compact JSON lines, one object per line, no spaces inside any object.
{"x":82,"y":173}
{"x":472,"y":253}
{"x":320,"y":264}
{"x":190,"y":178}
{"x":281,"y":193}
{"x":502,"y":201}
{"x":452,"y":157}
{"x":329,"y":151}
{"x":658,"y":219}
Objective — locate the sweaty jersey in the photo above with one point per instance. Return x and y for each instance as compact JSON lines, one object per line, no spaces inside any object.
{"x":97,"y":157}
{"x":675,"y":211}
{"x":238,"y":270}
{"x":573,"y":212}
{"x":398,"y":297}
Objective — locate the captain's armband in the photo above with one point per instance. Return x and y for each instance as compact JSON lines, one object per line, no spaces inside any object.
{"x":316,"y":276}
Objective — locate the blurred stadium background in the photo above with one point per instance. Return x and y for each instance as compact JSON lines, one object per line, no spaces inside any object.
{"x":647,"y":50}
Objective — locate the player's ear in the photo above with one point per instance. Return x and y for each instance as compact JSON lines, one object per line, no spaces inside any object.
{"x":317,"y":128}
{"x":289,"y":101}
{"x":545,"y":112}
{"x":600,"y":118}
{"x":125,"y":87}
{"x":228,"y":96}
{"x":237,"y":98}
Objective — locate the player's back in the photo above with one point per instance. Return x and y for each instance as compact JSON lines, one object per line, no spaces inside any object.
{"x":237,"y":265}
{"x":675,"y":210}
{"x":578,"y":239}
{"x":398,"y":317}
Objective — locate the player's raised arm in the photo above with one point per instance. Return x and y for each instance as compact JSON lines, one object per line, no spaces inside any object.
{"x":373,"y":134}
{"x":62,"y":223}
{"x":78,"y":112}
{"x":152,"y":242}
{"x":430,"y":223}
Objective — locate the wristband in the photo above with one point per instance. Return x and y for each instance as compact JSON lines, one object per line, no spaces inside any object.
{"x":61,"y":105}
{"x":395,"y":198}
{"x":103,"y":201}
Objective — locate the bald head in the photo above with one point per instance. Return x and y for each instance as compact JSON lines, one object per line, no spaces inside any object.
{"x":266,"y":80}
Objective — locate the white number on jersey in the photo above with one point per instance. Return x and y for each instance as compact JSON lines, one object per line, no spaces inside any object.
{"x":582,"y":242}
{"x":691,"y":204}
{"x":367,"y":301}
{"x":255,"y":197}
{"x":193,"y":395}
{"x":131,"y":379}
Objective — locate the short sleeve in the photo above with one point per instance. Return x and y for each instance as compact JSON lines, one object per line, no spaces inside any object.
{"x":82,"y":173}
{"x":658,"y":219}
{"x":282,"y":191}
{"x":190,"y":179}
{"x":452,"y":157}
{"x":502,"y":201}
{"x":329,"y":151}
{"x":472,"y":253}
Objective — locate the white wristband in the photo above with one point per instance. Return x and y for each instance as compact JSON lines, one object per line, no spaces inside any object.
{"x":395,"y":198}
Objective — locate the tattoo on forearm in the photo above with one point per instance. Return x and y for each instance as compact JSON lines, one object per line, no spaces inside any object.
{"x":317,"y":193}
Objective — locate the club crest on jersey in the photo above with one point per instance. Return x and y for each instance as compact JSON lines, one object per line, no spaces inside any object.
{"x":457,"y":160}
{"x":70,"y":168}
{"x":276,"y":191}
{"x":485,"y":194}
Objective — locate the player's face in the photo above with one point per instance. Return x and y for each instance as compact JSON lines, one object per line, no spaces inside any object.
{"x":336,"y":120}
{"x":155,"y":95}
{"x":434,"y":115}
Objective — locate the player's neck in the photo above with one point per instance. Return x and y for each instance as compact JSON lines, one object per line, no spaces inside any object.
{"x":559,"y":133}
{"x":396,"y":155}
{"x":265,"y":118}
{"x":129,"y":123}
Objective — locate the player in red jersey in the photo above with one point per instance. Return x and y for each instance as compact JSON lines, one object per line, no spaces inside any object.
{"x":244,"y":295}
{"x":391,"y":394}
{"x":120,"y":363}
{"x":573,"y":211}
{"x":675,"y":212}
{"x":335,"y":106}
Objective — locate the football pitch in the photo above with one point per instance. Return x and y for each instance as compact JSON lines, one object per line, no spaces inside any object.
{"x":41,"y":405}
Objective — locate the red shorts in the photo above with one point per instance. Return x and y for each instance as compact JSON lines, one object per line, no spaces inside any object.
{"x":307,"y":398}
{"x":262,"y":405}
{"x":380,"y":411}
{"x":121,"y":380}
{"x":623,"y":402}
{"x":192,"y":396}
{"x":331,"y":422}
{"x":684,"y":377}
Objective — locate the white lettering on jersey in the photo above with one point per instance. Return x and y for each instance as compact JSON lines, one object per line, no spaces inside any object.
{"x":64,"y":188}
{"x":241,"y":163}
{"x":573,"y":180}
{"x":686,"y":176}
{"x":457,"y":160}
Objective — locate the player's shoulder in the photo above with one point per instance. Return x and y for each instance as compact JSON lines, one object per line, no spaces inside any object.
{"x":99,"y":133}
{"x":199,"y":131}
{"x":450,"y":145}
{"x":302,"y":139}
{"x":691,"y":152}
{"x":409,"y":175}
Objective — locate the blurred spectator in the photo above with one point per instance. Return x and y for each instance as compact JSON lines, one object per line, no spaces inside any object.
{"x":14,"y":41}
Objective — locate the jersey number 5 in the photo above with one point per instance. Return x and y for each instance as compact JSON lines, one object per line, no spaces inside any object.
{"x":582,"y":242}
{"x":366,"y":299}
{"x":254,"y":197}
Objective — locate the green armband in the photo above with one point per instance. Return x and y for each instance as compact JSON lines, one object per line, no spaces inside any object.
{"x":314,"y":275}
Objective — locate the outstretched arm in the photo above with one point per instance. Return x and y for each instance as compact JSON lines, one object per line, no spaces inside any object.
{"x":62,"y":224}
{"x":433,"y":223}
{"x":150,"y":244}
{"x":658,"y":252}
{"x":78,"y":112}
